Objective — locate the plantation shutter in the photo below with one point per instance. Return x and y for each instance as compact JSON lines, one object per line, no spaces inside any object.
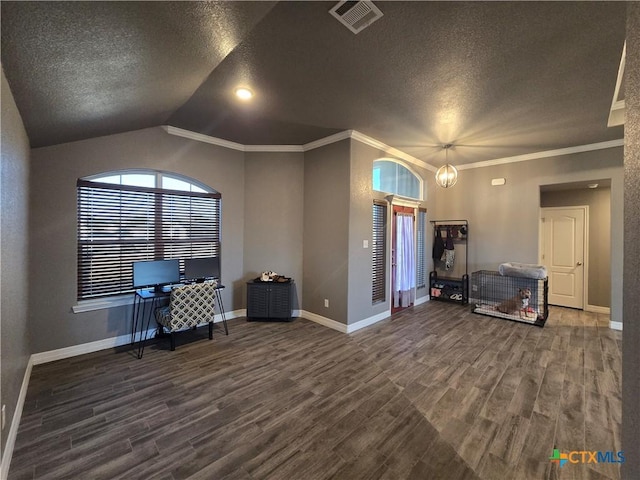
{"x":378,"y":252}
{"x":121,"y":224}
{"x":420,"y":248}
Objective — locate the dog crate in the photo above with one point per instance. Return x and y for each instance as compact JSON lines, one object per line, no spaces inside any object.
{"x":510,"y":297}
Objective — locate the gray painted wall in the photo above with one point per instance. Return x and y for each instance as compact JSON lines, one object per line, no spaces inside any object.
{"x":54,"y":172}
{"x":273,"y":221}
{"x":326,"y":230}
{"x":599,"y":254}
{"x":631,"y":336}
{"x":14,"y":204}
{"x":503,"y":221}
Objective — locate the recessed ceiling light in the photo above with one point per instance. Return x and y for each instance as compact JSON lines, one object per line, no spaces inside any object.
{"x":244,"y":93}
{"x":593,"y":185}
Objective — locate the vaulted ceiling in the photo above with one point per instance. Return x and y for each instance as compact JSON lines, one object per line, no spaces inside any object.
{"x":495,"y":79}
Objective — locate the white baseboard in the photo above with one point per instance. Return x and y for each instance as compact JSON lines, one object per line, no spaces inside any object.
{"x":327,"y":322}
{"x":604,"y":311}
{"x":7,"y":453}
{"x":421,"y":300}
{"x":75,"y":350}
{"x":597,"y":309}
{"x":241,"y":312}
{"x":341,"y":327}
{"x":352,"y":327}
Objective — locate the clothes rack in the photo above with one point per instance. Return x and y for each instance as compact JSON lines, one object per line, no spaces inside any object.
{"x":449,"y":280}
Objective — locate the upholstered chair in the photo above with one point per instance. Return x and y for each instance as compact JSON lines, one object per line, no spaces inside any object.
{"x":189,"y":306}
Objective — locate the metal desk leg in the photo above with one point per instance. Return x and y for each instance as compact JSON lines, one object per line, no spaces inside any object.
{"x":221,"y":308}
{"x":134,"y":319}
{"x":143,"y":330}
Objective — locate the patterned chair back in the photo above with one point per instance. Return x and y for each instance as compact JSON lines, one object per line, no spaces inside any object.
{"x":192,"y":305}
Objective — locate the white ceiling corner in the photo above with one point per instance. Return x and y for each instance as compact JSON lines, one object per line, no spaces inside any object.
{"x":616,"y":114}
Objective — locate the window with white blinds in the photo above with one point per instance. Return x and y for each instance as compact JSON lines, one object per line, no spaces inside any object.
{"x":121,"y":224}
{"x":420,"y":248}
{"x":378,"y":252}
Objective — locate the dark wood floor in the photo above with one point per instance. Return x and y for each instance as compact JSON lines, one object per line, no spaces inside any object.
{"x":435,"y":392}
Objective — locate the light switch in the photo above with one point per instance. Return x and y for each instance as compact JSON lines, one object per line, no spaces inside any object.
{"x":365,"y":244}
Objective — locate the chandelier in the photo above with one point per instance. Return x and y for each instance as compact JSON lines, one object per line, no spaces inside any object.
{"x":447,"y":175}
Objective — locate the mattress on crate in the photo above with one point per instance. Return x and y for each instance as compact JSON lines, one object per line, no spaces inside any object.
{"x":525,"y":270}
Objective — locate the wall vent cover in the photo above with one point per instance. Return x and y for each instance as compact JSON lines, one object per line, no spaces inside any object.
{"x":356,"y":15}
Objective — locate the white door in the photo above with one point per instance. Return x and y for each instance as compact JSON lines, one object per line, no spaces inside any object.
{"x":563,"y":253}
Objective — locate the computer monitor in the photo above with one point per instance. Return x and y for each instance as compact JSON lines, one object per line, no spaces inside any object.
{"x":155,"y":273}
{"x":201,"y":268}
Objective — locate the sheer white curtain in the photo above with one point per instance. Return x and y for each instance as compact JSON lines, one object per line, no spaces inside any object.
{"x":404,"y":288}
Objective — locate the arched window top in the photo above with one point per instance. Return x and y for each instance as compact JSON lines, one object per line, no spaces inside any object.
{"x":392,"y":176}
{"x":152,"y":179}
{"x":131,"y":216}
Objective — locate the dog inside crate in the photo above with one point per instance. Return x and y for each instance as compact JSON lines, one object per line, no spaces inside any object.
{"x":513,"y":298}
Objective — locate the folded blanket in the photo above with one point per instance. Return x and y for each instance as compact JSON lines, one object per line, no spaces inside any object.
{"x":527,"y":270}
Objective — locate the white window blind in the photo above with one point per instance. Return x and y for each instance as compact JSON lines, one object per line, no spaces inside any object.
{"x":420,"y":248}
{"x":122,"y":224}
{"x":378,"y":252}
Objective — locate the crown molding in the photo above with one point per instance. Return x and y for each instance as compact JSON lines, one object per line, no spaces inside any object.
{"x":200,"y":137}
{"x":617,"y":111}
{"x":388,"y":150}
{"x":372,"y":142}
{"x":336,"y":137}
{"x":274,"y":148}
{"x":546,"y":154}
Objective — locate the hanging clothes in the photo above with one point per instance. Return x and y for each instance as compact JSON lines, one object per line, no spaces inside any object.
{"x":438,"y":246}
{"x":449,"y":254}
{"x":449,"y":243}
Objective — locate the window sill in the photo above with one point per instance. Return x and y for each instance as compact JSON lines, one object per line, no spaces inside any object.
{"x":102,"y":303}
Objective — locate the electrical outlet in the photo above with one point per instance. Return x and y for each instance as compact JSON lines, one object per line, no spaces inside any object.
{"x":326,"y":303}
{"x":4,"y":416}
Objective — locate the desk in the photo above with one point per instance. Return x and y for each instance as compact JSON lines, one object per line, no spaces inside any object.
{"x":150,"y":298}
{"x":142,"y":299}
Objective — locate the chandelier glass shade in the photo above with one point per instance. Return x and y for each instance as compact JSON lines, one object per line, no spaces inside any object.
{"x":447,"y":175}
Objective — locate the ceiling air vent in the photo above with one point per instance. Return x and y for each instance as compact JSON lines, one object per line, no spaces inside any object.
{"x":356,"y":16}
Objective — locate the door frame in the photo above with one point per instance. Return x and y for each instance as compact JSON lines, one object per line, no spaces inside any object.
{"x":585,"y":246}
{"x":405,"y":210}
{"x":396,"y":201}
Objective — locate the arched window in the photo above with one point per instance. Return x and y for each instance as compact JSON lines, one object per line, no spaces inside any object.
{"x":136,"y":215}
{"x":391,"y":176}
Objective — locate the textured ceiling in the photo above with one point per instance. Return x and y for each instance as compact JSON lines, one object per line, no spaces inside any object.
{"x":496,"y":79}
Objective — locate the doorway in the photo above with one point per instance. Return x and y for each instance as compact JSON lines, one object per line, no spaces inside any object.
{"x":563,"y":246}
{"x":403,"y":260}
